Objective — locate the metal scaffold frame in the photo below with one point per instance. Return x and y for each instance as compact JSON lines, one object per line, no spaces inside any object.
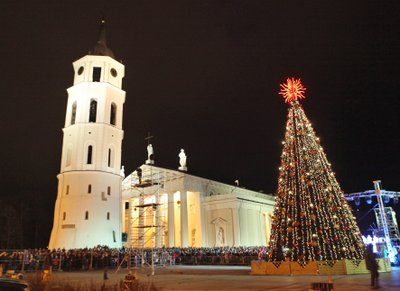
{"x":146,"y":199}
{"x":145,"y":182}
{"x":147,"y":228}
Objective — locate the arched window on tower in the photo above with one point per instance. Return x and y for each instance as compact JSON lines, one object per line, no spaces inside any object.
{"x":108,"y":190}
{"x":89,"y":190}
{"x":113,"y":114}
{"x":96,"y":74}
{"x":87,"y":215}
{"x":108,"y":215}
{"x":89,"y":155}
{"x":73,"y":113}
{"x":110,"y":162}
{"x":93,"y":110}
{"x":64,"y":215}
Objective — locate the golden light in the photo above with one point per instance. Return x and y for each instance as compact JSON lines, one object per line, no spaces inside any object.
{"x":292,"y":90}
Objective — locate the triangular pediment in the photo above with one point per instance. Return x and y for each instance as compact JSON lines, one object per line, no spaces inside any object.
{"x":218,"y":220}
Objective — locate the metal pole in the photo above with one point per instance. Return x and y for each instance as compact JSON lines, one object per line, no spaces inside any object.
{"x":129,"y":259}
{"x":91,"y":260}
{"x":23,"y":261}
{"x":383,"y":219}
{"x":152,"y":261}
{"x":60,"y":262}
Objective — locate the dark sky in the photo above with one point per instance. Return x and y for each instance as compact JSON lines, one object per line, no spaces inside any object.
{"x":204,"y":76}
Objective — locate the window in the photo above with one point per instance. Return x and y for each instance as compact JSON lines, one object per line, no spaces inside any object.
{"x":110,"y":162}
{"x":108,"y":215}
{"x":113,"y":72}
{"x":96,"y":74}
{"x":93,"y":110}
{"x":89,"y":155}
{"x":67,"y":190}
{"x":113,"y":113}
{"x":87,"y":215}
{"x":89,"y":190}
{"x":80,"y":70}
{"x":64,"y":215}
{"x":108,"y":190}
{"x":126,"y":205}
{"x":73,"y":113}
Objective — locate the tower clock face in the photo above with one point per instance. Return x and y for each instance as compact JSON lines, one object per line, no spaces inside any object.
{"x":113,"y":72}
{"x":80,"y":70}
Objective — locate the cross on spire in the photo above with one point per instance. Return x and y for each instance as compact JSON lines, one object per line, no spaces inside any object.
{"x":148,"y":138}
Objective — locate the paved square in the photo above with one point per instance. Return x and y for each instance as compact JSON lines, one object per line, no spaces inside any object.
{"x":229,"y":278}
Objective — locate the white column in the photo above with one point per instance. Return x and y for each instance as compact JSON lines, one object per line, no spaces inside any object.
{"x":128,"y":220}
{"x":158,"y":229}
{"x":204,"y":228}
{"x":184,"y":219}
{"x":171,"y":220}
{"x":236,"y":227}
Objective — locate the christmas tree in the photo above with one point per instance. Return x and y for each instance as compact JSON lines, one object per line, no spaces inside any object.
{"x":312,"y":219}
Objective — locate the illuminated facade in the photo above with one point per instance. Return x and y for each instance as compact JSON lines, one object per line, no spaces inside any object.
{"x":152,"y":207}
{"x":88,"y":207}
{"x":163,"y":207}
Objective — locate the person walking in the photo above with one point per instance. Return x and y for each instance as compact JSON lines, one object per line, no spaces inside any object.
{"x":372,"y":266}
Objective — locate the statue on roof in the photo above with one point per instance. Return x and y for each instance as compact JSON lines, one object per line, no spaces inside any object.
{"x":150,"y":155}
{"x":182,"y":160}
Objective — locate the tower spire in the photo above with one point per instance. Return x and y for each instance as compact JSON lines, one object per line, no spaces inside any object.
{"x":102,"y":33}
{"x":100,"y":47}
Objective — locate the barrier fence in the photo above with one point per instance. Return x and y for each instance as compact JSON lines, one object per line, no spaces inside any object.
{"x":100,"y":258}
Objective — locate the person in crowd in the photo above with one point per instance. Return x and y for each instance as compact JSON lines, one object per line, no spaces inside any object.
{"x":372,"y":265}
{"x":104,"y":257}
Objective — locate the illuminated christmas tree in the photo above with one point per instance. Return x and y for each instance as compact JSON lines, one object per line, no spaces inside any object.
{"x":312,"y":220}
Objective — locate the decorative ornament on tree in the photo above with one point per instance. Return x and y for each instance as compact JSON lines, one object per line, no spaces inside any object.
{"x":292,"y":90}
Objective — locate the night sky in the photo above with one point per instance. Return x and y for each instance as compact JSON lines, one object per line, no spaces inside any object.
{"x":204,"y":76}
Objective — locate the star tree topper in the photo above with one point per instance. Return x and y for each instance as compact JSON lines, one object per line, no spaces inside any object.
{"x":292,"y":90}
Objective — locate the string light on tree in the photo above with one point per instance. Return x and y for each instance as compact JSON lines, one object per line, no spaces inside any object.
{"x":311,"y":220}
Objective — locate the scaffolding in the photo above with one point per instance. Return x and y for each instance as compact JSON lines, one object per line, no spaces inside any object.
{"x":147,"y":222}
{"x":145,"y":194}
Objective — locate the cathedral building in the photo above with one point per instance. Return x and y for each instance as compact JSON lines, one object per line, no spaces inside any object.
{"x":153,"y":206}
{"x":171,"y":208}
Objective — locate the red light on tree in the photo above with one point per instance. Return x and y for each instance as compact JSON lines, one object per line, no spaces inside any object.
{"x":292,"y":90}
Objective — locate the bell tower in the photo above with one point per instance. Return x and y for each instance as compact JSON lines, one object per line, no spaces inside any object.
{"x":88,"y":207}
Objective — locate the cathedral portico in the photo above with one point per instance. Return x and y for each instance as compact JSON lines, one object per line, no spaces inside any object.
{"x":193,"y":211}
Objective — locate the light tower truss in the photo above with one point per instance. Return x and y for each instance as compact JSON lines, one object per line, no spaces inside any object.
{"x":385,"y":216}
{"x":392,"y":226}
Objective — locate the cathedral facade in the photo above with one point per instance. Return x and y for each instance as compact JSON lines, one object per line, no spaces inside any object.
{"x":171,"y":208}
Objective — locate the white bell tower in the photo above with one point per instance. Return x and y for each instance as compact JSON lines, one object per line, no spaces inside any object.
{"x":88,"y":207}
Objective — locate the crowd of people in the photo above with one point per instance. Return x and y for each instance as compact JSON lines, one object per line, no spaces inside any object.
{"x":104,"y":257}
